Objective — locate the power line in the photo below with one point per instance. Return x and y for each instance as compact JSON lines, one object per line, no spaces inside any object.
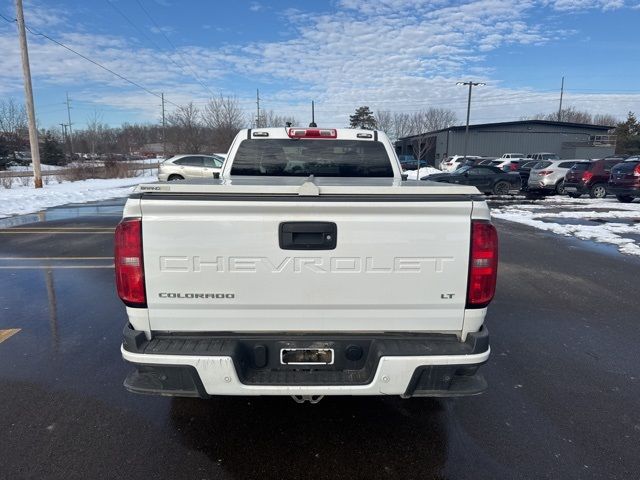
{"x":186,"y":62}
{"x":34,"y":32}
{"x":152,"y":41}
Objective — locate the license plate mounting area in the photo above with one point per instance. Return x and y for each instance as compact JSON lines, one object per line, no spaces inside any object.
{"x":306,"y":356}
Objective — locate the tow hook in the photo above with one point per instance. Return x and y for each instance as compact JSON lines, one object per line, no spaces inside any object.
{"x":307,"y":398}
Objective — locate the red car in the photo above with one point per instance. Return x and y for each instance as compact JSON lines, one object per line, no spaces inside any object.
{"x":590,"y":177}
{"x":624,"y":181}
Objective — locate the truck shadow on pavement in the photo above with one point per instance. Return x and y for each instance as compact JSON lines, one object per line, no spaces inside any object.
{"x":341,"y":437}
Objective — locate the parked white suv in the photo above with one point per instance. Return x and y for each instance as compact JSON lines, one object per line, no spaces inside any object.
{"x":453,"y":163}
{"x":548,"y":175}
{"x":182,"y":167}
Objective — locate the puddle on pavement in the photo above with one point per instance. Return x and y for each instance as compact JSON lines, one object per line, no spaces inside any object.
{"x":112,"y":208}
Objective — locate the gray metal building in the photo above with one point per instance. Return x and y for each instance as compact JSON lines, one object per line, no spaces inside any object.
{"x":569,"y":140}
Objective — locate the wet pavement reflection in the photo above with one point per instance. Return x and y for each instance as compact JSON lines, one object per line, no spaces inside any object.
{"x":562,"y":400}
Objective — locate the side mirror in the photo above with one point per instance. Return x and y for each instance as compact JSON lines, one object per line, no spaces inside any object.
{"x":404,"y":176}
{"x":216,"y":175}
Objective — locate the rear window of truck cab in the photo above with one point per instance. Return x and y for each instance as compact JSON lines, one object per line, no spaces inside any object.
{"x":304,"y":157}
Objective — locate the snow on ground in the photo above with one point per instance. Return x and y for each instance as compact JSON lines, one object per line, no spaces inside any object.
{"x":21,"y":200}
{"x":424,"y":171}
{"x":29,"y":168}
{"x":600,"y":220}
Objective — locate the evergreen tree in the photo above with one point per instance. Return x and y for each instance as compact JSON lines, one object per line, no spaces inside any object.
{"x":628,"y":136}
{"x":52,"y":150}
{"x":363,"y":118}
{"x":4,"y":146}
{"x":4,"y":152}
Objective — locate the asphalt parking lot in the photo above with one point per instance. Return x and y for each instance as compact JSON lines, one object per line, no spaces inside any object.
{"x":562,"y":401}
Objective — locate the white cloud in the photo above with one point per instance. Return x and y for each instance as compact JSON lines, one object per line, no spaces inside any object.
{"x":399,"y":55}
{"x":582,"y":5}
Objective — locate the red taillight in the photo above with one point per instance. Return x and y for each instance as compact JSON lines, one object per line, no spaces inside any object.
{"x":586,"y":176}
{"x":513,"y":167}
{"x":128,"y":261}
{"x":636,"y":171}
{"x":313,"y":133}
{"x":545,"y":172}
{"x":483,"y":264}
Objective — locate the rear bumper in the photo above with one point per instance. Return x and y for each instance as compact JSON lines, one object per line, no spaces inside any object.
{"x":537,"y":185}
{"x":623,"y":191}
{"x":389,"y":364}
{"x":580,"y":188}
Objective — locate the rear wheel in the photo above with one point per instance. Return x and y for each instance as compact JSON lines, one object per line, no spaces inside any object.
{"x":560,"y":187}
{"x":173,"y":178}
{"x":624,"y":198}
{"x":501,"y":188}
{"x":598,"y":191}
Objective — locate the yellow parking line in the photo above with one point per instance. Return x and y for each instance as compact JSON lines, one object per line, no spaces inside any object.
{"x":10,"y":332}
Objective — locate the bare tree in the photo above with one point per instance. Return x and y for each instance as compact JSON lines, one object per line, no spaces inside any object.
{"x":385,"y":123}
{"x":421,"y":145}
{"x":605,"y":119}
{"x":271,"y":119}
{"x":94,"y":130}
{"x":224,"y":117}
{"x":185,"y":129}
{"x":401,"y":125}
{"x":573,"y":115}
{"x":13,"y":126}
{"x":431,"y":119}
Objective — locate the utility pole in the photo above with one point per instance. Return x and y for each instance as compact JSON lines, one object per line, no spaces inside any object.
{"x":560,"y":108}
{"x":164,"y":138}
{"x":69,"y":125}
{"x":466,"y":131}
{"x":28,"y":97}
{"x":64,"y":133}
{"x":258,"y":106}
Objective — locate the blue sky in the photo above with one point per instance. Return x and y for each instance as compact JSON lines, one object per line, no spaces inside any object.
{"x":397,"y":55}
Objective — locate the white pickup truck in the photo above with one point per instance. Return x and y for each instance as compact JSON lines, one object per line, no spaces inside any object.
{"x":309,"y":268}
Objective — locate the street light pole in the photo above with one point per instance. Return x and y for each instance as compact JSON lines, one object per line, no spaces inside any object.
{"x":466,"y":131}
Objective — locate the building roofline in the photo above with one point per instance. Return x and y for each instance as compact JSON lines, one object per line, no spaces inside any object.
{"x":516,"y":122}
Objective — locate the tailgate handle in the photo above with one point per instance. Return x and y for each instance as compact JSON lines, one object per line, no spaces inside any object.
{"x":308,"y":235}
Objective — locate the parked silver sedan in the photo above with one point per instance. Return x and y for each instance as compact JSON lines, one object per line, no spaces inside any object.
{"x":183,"y":167}
{"x":548,"y":175}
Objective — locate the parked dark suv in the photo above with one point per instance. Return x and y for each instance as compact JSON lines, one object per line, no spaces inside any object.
{"x":590,"y":177}
{"x":624,"y":181}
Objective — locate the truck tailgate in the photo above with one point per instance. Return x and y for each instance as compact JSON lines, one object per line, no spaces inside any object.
{"x":216,"y":266}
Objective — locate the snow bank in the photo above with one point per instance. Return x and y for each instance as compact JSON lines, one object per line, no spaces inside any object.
{"x":581,"y":212}
{"x":29,"y":168}
{"x":424,"y":171}
{"x":21,"y":200}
